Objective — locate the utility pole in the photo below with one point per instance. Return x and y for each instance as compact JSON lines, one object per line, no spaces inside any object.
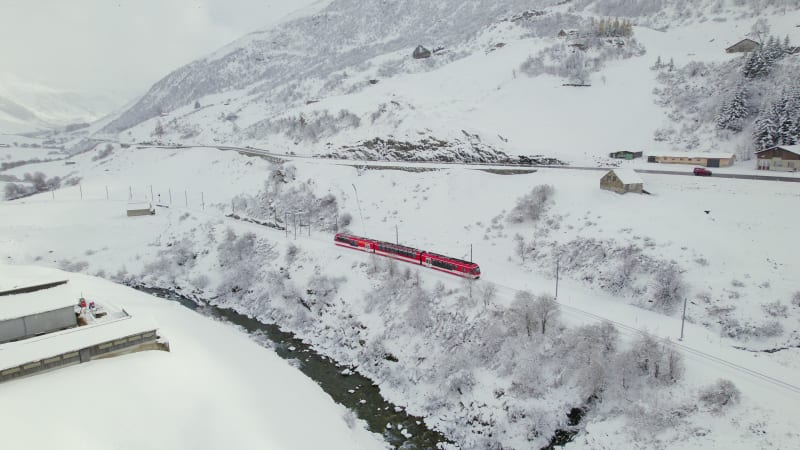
{"x":130,"y":193}
{"x":470,"y":252}
{"x":202,"y":200}
{"x":186,"y":197}
{"x":396,"y":235}
{"x":81,"y":188}
{"x":683,"y":318}
{"x":151,"y":192}
{"x":170,"y":196}
{"x":363,"y":225}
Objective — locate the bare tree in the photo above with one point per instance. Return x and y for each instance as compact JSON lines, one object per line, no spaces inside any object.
{"x":522,"y":308}
{"x":487,"y":292}
{"x":669,"y":288}
{"x":519,"y":246}
{"x":760,"y":30}
{"x":545,"y":309}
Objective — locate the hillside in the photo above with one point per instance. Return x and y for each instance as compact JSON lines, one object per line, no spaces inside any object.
{"x":341,"y":76}
{"x":453,"y":352}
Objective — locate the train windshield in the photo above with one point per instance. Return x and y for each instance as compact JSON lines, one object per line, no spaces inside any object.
{"x":476,"y":270}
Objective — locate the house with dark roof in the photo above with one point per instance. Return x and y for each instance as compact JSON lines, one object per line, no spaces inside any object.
{"x":783,"y":158}
{"x":743,"y":46}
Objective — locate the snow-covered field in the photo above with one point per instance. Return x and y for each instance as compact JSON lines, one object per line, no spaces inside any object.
{"x":214,"y":389}
{"x":732,"y":259}
{"x":477,"y":360}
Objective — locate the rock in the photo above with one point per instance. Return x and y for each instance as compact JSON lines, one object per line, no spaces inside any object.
{"x":421,"y":53}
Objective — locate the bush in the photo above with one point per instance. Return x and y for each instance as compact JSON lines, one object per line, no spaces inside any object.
{"x":720,"y":395}
{"x":104,"y":153}
{"x":14,"y":190}
{"x":796,"y":299}
{"x":669,"y":288}
{"x":531,"y":206}
{"x":775,"y":309}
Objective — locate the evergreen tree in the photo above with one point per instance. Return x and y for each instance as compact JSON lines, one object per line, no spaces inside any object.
{"x":734,"y":110}
{"x":755,"y":65}
{"x":765,"y":133}
{"x":658,"y":64}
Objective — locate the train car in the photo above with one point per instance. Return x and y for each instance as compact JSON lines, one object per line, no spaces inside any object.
{"x":434,"y":261}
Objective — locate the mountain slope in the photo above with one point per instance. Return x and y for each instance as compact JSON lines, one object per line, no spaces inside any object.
{"x":27,"y":106}
{"x":341,"y":76}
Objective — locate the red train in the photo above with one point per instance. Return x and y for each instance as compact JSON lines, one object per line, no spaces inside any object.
{"x":434,"y":261}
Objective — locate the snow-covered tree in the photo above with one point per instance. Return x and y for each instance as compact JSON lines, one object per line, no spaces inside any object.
{"x":545,"y":310}
{"x":669,"y":288}
{"x":734,"y":110}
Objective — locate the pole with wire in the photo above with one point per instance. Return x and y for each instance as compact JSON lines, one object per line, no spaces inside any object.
{"x":363,"y":225}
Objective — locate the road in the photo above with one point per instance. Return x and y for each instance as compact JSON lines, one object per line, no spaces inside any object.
{"x":427,"y":165}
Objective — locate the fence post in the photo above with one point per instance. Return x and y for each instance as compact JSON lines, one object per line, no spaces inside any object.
{"x":203,"y":200}
{"x":81,"y":188}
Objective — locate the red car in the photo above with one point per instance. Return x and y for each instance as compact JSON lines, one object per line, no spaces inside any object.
{"x":702,"y":172}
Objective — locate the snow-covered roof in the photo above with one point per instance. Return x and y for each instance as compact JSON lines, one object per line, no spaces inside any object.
{"x":789,"y":148}
{"x":21,"y":305}
{"x":13,"y":354}
{"x":628,"y":176}
{"x":695,"y":155}
{"x":139,"y":205}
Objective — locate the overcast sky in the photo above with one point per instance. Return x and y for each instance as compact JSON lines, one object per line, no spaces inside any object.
{"x":121,"y":46}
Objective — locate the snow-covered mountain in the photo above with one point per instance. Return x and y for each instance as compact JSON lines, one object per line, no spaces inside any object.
{"x":342,"y":74}
{"x":28,"y":106}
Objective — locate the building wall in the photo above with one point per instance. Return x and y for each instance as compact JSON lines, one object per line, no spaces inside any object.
{"x":140,"y":341}
{"x":29,"y":326}
{"x":138,"y":212}
{"x":694,"y":161}
{"x":779,"y":160}
{"x":610,"y":182}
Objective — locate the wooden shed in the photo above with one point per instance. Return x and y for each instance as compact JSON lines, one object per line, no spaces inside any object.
{"x":743,"y":46}
{"x":622,"y":181}
{"x":783,"y":158}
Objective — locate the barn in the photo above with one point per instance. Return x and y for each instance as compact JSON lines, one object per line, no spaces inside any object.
{"x":622,"y":181}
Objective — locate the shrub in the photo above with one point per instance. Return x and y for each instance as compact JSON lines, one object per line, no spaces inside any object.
{"x":531,"y":206}
{"x":669,"y":288}
{"x":720,"y":395}
{"x":775,"y":309}
{"x":796,"y":299}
